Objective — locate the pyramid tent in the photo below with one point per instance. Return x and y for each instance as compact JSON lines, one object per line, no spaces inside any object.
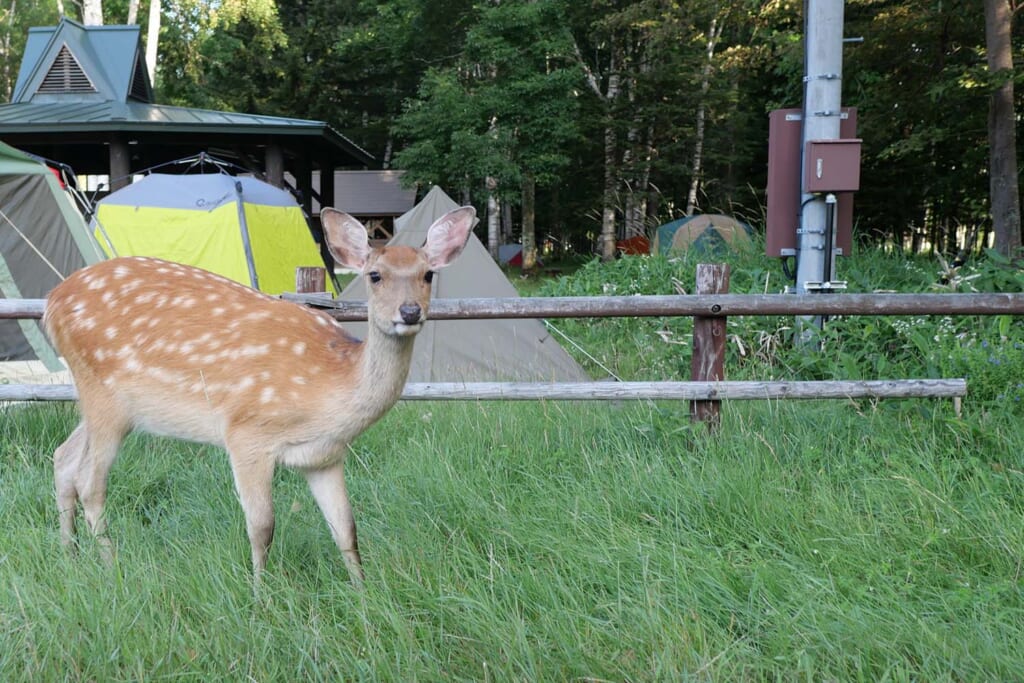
{"x":472,"y":350}
{"x":239,"y":227}
{"x":43,"y":239}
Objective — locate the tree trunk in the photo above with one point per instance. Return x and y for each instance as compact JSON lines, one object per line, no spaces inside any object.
{"x":529,"y":224}
{"x":152,"y":39}
{"x":493,"y":219}
{"x":636,"y":165}
{"x":611,"y":177}
{"x":611,"y":174}
{"x":698,"y":144}
{"x":5,"y":54}
{"x":1004,"y":194}
{"x":92,"y":12}
{"x":133,"y":12}
{"x":506,"y":223}
{"x":608,"y":197}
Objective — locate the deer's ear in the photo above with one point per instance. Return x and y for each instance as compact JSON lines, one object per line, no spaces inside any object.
{"x":448,"y":235}
{"x":346,"y":237}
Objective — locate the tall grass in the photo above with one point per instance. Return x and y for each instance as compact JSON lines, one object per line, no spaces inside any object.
{"x":547,"y":541}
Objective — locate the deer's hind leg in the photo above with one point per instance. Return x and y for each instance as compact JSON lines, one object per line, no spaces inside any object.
{"x":81,"y":468}
{"x":67,"y":460}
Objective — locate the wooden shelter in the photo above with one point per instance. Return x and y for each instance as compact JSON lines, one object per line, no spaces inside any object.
{"x":83,"y":97}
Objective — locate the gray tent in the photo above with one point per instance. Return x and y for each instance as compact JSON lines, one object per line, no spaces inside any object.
{"x":43,"y":239}
{"x":472,"y":350}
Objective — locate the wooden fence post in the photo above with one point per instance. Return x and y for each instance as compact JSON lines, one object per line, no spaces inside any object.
{"x":310,"y":279}
{"x":708,"y":362}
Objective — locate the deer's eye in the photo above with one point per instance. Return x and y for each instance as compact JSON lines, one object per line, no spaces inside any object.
{"x":429,"y":277}
{"x":374,"y":276}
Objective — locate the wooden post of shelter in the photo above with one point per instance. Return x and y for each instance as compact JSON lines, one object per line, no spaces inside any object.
{"x":120,"y":163}
{"x":274,"y":164}
{"x":708,"y":362}
{"x":310,"y":279}
{"x":304,"y":183}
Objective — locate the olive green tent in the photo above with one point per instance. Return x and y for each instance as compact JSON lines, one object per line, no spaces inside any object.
{"x":43,"y":239}
{"x":708,"y":233}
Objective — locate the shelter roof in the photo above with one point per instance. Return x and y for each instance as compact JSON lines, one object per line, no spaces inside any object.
{"x":81,"y":89}
{"x":95,"y":62}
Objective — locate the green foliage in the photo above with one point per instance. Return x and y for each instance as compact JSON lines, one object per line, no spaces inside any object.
{"x":504,"y":110}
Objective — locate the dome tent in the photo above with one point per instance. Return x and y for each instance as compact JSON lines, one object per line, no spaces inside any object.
{"x":43,"y":239}
{"x":704,"y":234}
{"x":236,"y":226}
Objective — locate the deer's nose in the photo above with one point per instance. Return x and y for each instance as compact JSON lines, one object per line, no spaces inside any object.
{"x":411,"y":313}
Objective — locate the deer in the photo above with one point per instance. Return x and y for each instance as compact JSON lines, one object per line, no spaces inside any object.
{"x":178,"y":351}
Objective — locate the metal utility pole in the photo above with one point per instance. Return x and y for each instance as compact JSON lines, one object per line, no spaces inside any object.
{"x":823,"y":71}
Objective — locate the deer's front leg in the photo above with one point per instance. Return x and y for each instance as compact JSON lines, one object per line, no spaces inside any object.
{"x":254,"y":475}
{"x":328,"y":487}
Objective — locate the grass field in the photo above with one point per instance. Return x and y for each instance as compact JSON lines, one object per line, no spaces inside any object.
{"x":818,"y":541}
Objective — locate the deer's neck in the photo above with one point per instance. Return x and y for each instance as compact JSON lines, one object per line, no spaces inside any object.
{"x":383,"y":370}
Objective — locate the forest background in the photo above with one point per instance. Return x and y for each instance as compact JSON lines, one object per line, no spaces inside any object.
{"x":580,"y":122}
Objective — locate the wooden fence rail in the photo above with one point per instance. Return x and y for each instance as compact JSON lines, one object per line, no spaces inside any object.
{"x":716,"y":305}
{"x":709,"y":311}
{"x":603,"y":391}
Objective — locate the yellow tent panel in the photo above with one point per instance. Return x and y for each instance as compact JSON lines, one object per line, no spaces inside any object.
{"x":234,"y":226}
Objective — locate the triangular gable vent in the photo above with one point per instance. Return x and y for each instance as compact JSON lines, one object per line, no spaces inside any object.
{"x":66,"y":75}
{"x":138,"y":89}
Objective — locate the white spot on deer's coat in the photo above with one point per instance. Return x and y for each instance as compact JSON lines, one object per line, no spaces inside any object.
{"x":298,"y":379}
{"x":131,"y":286}
{"x":98,"y":283}
{"x":299,"y":348}
{"x":267,"y":395}
{"x":218,"y":310}
{"x":121,"y":271}
{"x":246,"y":382}
{"x":99,"y":354}
{"x":255,"y":350}
{"x":110,"y":333}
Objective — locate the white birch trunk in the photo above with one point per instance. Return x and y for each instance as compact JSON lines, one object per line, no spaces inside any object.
{"x":92,"y":12}
{"x":152,"y":39}
{"x":493,"y":220}
{"x":698,"y":144}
